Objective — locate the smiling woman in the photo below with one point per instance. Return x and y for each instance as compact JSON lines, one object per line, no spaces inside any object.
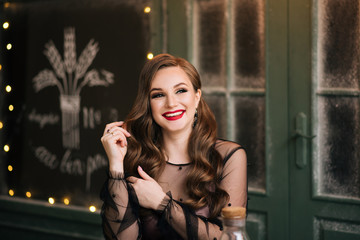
{"x":169,"y":174}
{"x":173,"y":100}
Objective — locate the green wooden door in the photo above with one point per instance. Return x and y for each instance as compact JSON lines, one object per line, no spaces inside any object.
{"x":262,"y":67}
{"x":324,"y":119}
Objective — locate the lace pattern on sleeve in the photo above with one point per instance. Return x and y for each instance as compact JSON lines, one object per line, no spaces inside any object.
{"x":119,"y":211}
{"x":176,"y":217}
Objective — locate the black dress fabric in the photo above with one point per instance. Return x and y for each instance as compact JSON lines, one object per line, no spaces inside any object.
{"x":123,"y":218}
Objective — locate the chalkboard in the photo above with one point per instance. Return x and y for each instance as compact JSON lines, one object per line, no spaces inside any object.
{"x":81,"y":65}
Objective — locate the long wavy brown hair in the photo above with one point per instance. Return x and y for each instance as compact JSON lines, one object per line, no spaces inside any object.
{"x":145,"y":145}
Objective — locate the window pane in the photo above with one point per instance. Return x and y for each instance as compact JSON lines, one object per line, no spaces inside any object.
{"x":250,"y":132}
{"x":336,"y":157}
{"x":249,"y":44}
{"x":338,"y":146}
{"x":210,"y":35}
{"x":339,"y":48}
{"x":217,"y":103}
{"x":229,"y":52}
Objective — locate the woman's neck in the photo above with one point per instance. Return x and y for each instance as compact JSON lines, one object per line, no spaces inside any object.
{"x":176,"y":147}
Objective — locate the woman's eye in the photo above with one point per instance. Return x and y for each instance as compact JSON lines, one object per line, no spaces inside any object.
{"x":181,"y":91}
{"x":157,"y":95}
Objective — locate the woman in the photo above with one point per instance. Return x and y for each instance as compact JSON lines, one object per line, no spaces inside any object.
{"x":169,"y":175}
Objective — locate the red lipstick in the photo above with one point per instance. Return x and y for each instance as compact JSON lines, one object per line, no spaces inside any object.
{"x":175,"y":115}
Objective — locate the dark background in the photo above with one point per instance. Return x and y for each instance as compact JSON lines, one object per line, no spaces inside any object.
{"x":121,"y":30}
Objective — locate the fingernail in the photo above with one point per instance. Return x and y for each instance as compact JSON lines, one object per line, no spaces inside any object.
{"x":140,"y":168}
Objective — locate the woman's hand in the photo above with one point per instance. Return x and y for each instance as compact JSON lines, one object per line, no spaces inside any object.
{"x":148,"y":191}
{"x":115,"y":145}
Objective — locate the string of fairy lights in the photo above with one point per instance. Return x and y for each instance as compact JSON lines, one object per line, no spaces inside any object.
{"x":6,"y":25}
{"x":10,"y":108}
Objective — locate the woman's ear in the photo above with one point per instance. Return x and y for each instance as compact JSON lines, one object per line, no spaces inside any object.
{"x":198,"y":97}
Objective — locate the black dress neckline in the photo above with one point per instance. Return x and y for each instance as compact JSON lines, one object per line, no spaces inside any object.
{"x":178,"y":164}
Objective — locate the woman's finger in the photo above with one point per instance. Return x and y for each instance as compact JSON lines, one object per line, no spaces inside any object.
{"x":111,"y":125}
{"x":132,"y":179}
{"x":143,"y":174}
{"x":119,"y":129}
{"x":117,"y":137}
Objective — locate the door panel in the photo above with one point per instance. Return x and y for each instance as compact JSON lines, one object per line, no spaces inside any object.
{"x":324,"y":85}
{"x":326,"y":229}
{"x":336,"y":98}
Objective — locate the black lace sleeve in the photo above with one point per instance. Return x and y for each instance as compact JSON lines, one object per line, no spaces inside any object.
{"x":120,"y":209}
{"x":177,"y":221}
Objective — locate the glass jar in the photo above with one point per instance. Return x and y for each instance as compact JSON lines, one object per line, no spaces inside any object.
{"x":234,"y":222}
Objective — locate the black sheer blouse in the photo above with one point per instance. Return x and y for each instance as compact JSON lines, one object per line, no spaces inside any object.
{"x":172,"y":220}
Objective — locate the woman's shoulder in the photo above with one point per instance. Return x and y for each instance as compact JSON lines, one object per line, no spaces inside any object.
{"x":227,"y":148}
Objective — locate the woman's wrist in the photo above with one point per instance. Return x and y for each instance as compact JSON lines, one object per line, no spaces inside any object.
{"x":116,"y":172}
{"x":116,"y":166}
{"x":164,"y":202}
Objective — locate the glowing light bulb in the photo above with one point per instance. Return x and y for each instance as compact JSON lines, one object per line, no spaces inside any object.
{"x":6,"y":148}
{"x":92,"y":208}
{"x":150,"y":56}
{"x":11,"y":108}
{"x":6,"y":25}
{"x":147,"y":9}
{"x":8,"y":46}
{"x":11,"y":192}
{"x":1,"y":125}
{"x":0,"y":66}
{"x":8,"y":88}
{"x":10,"y":168}
{"x":66,"y":201}
{"x":51,"y":200}
{"x":6,"y":5}
{"x":28,"y":194}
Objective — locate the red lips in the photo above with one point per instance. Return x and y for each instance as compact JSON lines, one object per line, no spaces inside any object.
{"x":175,"y":115}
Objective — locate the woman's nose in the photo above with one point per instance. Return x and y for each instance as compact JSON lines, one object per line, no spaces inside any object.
{"x":171,"y":101}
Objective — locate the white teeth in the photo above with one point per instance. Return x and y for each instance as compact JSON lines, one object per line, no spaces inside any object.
{"x":173,"y":114}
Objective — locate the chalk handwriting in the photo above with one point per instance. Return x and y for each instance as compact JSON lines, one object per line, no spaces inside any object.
{"x":69,"y":165}
{"x":43,"y":119}
{"x":46,"y":157}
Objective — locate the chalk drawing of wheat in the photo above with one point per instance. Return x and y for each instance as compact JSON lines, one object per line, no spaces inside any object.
{"x":70,"y":76}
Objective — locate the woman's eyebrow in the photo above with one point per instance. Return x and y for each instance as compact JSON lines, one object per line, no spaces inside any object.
{"x":175,"y":86}
{"x":179,"y":84}
{"x":155,"y":89}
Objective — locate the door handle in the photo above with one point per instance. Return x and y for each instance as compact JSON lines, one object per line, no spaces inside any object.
{"x":301,"y":140}
{"x":300,"y":134}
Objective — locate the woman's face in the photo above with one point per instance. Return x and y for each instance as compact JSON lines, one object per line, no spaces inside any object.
{"x":173,"y":100}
